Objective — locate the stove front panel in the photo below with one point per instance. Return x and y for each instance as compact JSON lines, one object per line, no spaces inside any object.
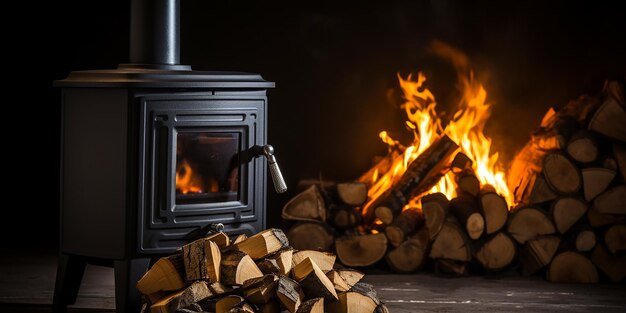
{"x":197,"y":167}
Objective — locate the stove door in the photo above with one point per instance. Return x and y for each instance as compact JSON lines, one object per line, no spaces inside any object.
{"x":199,"y":168}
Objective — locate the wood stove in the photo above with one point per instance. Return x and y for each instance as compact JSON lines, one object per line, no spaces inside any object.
{"x":154,"y":155}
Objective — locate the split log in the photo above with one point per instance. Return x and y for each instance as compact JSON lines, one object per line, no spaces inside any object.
{"x":609,"y":163}
{"x":566,"y":212}
{"x":615,"y":239}
{"x":539,"y":191}
{"x":610,"y":120}
{"x":585,"y":240}
{"x":289,"y":294}
{"x":353,"y":193}
{"x":237,"y":267}
{"x":260,"y":290}
{"x":583,"y":147}
{"x":496,"y":252}
{"x":619,"y":152}
{"x":240,"y":238}
{"x":597,"y":219}
{"x":352,"y":302}
{"x":324,"y":260}
{"x":402,"y":225}
{"x":350,"y":276}
{"x":306,"y":206}
{"x":313,"y":281}
{"x":338,"y":282}
{"x":420,"y":175}
{"x":465,"y":209}
{"x":228,"y":303}
{"x":467,"y":182}
{"x":194,"y":293}
{"x":460,"y":163}
{"x":410,"y":255}
{"x":312,"y":306}
{"x":537,"y":253}
{"x":310,"y":236}
{"x":612,"y":201}
{"x":268,"y":266}
{"x":202,"y":259}
{"x":345,"y":217}
{"x":614,"y":266}
{"x":434,"y":209}
{"x":379,"y":169}
{"x":450,"y":268}
{"x":561,"y":174}
{"x":596,"y":180}
{"x":528,"y":222}
{"x":366,"y":290}
{"x":572,"y":267}
{"x":451,"y":243}
{"x":615,"y":90}
{"x":284,"y":259}
{"x":270,"y":307}
{"x":167,"y":274}
{"x":495,"y":211}
{"x":221,"y":239}
{"x":263,"y":243}
{"x":362,"y":250}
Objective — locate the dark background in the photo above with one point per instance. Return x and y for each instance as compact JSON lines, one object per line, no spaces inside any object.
{"x":335,"y":70}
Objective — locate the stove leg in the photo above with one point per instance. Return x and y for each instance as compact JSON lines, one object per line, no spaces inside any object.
{"x":69,"y":275}
{"x":127,"y":273}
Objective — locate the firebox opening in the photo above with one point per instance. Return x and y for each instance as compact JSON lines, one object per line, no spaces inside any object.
{"x":207,"y":167}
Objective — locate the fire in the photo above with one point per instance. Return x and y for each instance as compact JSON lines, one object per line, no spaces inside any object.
{"x":186,"y":180}
{"x":465,"y":128}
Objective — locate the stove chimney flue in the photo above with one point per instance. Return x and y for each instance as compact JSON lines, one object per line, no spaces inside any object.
{"x":155,"y":34}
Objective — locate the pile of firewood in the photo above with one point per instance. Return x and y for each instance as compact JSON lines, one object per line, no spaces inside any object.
{"x":257,"y":274}
{"x":569,"y":216}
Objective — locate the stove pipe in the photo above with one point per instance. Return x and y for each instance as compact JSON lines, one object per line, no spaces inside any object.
{"x":155,"y":34}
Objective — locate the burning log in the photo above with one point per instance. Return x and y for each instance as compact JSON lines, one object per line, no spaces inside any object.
{"x":465,"y":208}
{"x":528,"y":222}
{"x":410,"y":255}
{"x":496,"y":252}
{"x":310,"y":236}
{"x":494,"y":209}
{"x":566,"y":212}
{"x":362,"y":250}
{"x":420,"y":175}
{"x":379,"y":169}
{"x":434,"y":209}
{"x":402,"y":225}
{"x":451,"y":243}
{"x":306,"y":206}
{"x":596,"y":180}
{"x":537,"y":253}
{"x":561,"y":174}
{"x":468,"y":183}
{"x":572,"y":267}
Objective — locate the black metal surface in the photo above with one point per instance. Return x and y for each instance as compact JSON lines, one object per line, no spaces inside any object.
{"x":155,"y":33}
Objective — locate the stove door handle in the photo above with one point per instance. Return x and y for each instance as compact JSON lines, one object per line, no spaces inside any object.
{"x":277,"y":176}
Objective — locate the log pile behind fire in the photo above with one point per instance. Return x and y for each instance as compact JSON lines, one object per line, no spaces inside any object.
{"x":262,"y":273}
{"x":568,"y":220}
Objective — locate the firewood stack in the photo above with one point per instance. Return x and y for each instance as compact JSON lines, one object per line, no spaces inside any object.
{"x":569,"y":217}
{"x":262,"y":273}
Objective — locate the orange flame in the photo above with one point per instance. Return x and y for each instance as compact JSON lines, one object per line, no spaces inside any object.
{"x":466,"y":129}
{"x":186,"y":180}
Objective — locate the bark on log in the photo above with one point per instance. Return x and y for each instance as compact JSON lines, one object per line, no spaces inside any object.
{"x":237,"y":267}
{"x":566,"y":212}
{"x":528,"y":222}
{"x":362,"y":250}
{"x":434,"y":209}
{"x":561,"y":174}
{"x":260,"y":290}
{"x":537,"y":253}
{"x":313,"y":281}
{"x":597,"y":219}
{"x":312,"y":306}
{"x":202,"y":260}
{"x":402,"y":225}
{"x":467,"y":182}
{"x":465,"y":209}
{"x":460,"y":163}
{"x":194,"y":293}
{"x":410,"y":255}
{"x":572,"y":267}
{"x":284,"y":259}
{"x":310,"y":236}
{"x":289,"y":294}
{"x":596,"y":180}
{"x":421,"y":174}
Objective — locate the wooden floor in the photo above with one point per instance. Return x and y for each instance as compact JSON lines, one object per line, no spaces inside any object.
{"x":27,"y":285}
